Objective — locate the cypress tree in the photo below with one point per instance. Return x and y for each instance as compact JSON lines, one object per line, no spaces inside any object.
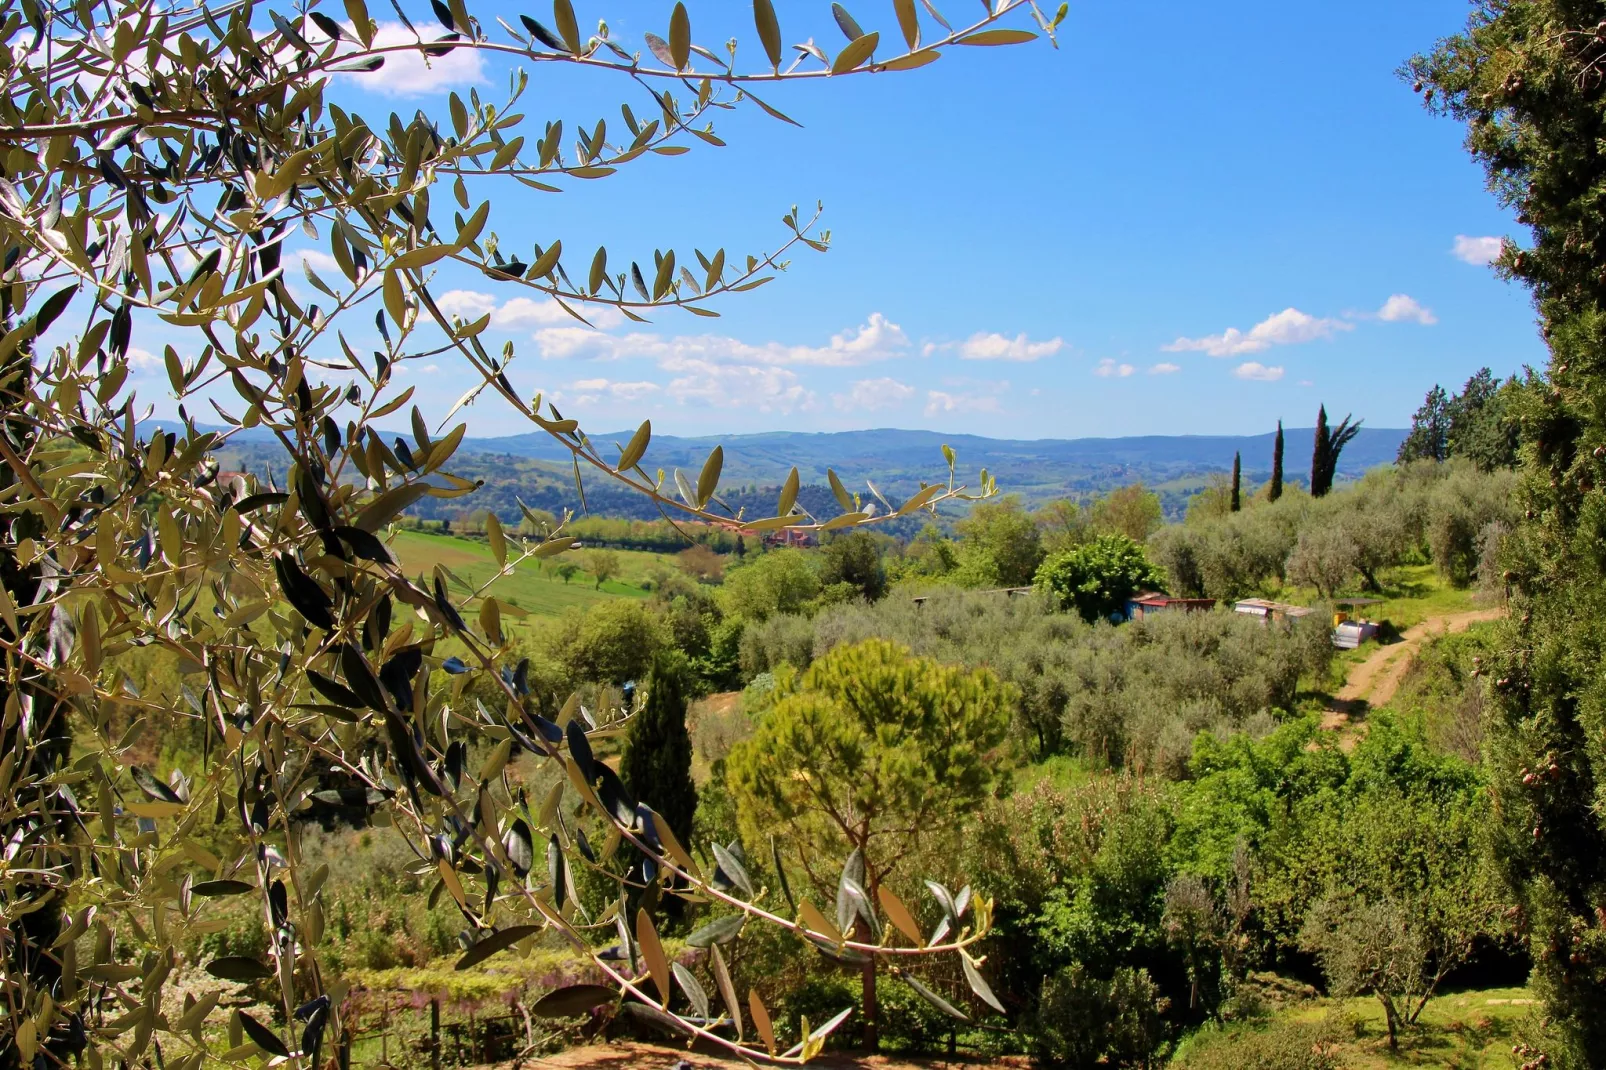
{"x":1275,"y":491}
{"x":1318,"y":454}
{"x":1329,"y":444}
{"x":1237,"y":476}
{"x":657,"y":760}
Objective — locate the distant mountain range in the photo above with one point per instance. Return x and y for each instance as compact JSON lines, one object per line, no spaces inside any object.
{"x":1038,"y":469}
{"x":1063,"y":464}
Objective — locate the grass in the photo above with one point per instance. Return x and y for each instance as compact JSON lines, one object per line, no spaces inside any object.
{"x":1469,"y":1030}
{"x":541,"y":593}
{"x":1411,"y":594}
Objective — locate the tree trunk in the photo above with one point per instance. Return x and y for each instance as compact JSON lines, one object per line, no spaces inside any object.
{"x":872,"y":1039}
{"x":1391,"y":1016}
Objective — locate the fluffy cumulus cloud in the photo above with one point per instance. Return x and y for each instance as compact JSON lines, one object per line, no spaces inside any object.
{"x":994,"y":346}
{"x":1402,"y":308}
{"x":591,"y":391}
{"x":1257,"y":372}
{"x":323,"y":264}
{"x":872,"y":395}
{"x":1165,"y":367}
{"x":1476,"y":250}
{"x":942,"y":401}
{"x":730,"y":386}
{"x":412,"y":74}
{"x":1109,"y":368}
{"x":523,"y":313}
{"x":1286,"y":328}
{"x":875,"y":340}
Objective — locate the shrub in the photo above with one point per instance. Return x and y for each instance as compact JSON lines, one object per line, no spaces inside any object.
{"x":1280,"y":1046}
{"x":1097,"y":578}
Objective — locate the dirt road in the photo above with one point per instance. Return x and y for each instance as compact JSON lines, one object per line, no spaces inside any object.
{"x":1373,"y":682}
{"x":628,"y":1055}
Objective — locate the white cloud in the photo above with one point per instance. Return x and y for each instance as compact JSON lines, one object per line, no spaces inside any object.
{"x":1478,"y":251}
{"x":996,"y":346}
{"x":1165,"y":368}
{"x":1402,"y":308}
{"x":870,"y":395}
{"x":939,"y":401}
{"x":143,"y":360}
{"x":591,"y":391}
{"x":412,"y":74}
{"x":1108,"y":368}
{"x":518,"y":313}
{"x":324,"y":264}
{"x":728,"y":386}
{"x":1286,"y":328}
{"x":876,"y":340}
{"x":1258,"y":372}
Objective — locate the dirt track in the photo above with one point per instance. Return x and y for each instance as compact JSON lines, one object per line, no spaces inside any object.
{"x":632,"y":1056}
{"x":1374,"y":681}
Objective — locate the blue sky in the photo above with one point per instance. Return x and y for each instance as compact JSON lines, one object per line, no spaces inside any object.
{"x":1187,"y":219}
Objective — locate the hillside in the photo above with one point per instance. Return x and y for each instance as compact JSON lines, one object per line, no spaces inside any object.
{"x":533,"y":467}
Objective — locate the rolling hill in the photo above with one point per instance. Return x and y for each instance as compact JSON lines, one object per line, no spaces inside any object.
{"x":532,"y":466}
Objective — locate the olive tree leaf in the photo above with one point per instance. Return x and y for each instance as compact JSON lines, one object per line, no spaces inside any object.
{"x":263,"y":1037}
{"x":855,"y":53}
{"x":761,"y":1019}
{"x":978,"y":985}
{"x":239,"y":968}
{"x":572,"y":1001}
{"x":769,"y":30}
{"x":734,"y":870}
{"x":692,"y":987}
{"x":931,"y":997}
{"x":490,"y":944}
{"x":899,"y":915}
{"x":653,"y":951}
{"x":727,"y":991}
{"x":680,"y":36}
{"x":846,"y":23}
{"x":719,"y":931}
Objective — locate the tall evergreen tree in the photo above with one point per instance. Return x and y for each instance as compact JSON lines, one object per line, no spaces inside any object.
{"x":1275,"y":491}
{"x":657,"y":760}
{"x":1318,"y":453}
{"x":1324,"y":455}
{"x":1525,"y":79}
{"x":1237,"y":478}
{"x":1430,"y":430}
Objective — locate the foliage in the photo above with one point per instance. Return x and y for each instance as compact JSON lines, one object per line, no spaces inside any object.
{"x":779,"y":581}
{"x":1274,"y":489}
{"x":602,"y":564}
{"x":1325,"y":557}
{"x":657,"y":760}
{"x":159,"y":160}
{"x":1132,"y":511}
{"x":1475,"y":424}
{"x":1097,"y":578}
{"x":1237,"y":480}
{"x":1329,"y":443}
{"x":1086,"y":1022}
{"x":869,"y":752}
{"x":855,"y":559}
{"x":999,"y":545}
{"x":1524,"y":77}
{"x":1279,"y":1046}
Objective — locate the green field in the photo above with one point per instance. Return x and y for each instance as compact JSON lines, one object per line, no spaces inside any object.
{"x":1470,"y":1030}
{"x":539,"y":592}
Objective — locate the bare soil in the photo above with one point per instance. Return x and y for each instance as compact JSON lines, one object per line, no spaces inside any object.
{"x":628,"y":1055}
{"x":1373,"y":682}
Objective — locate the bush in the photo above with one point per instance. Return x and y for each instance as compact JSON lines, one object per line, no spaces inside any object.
{"x":1083,"y":1021}
{"x":1280,"y":1046}
{"x":1098,"y":577}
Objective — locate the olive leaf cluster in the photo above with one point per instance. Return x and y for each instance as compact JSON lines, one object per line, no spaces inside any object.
{"x":157,"y":158}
